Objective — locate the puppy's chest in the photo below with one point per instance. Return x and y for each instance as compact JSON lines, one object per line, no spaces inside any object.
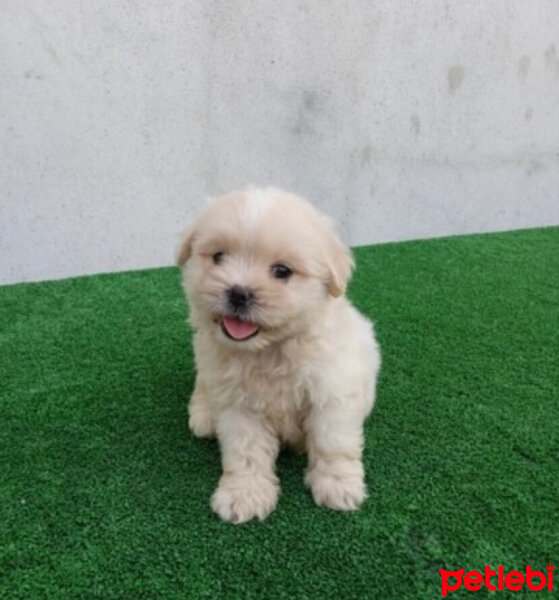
{"x":282,"y":400}
{"x":267,"y":386}
{"x":273,"y":392}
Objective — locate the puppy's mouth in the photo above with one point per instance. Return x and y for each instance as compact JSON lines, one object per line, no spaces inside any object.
{"x":238,"y":329}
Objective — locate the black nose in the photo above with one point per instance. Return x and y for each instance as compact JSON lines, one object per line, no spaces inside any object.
{"x":239,"y":297}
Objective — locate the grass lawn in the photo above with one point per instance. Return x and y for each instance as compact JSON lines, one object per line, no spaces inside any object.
{"x":104,"y":493}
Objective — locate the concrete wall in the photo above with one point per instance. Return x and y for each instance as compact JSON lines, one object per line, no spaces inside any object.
{"x":402,"y":119}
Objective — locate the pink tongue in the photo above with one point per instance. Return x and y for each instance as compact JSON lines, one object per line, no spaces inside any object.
{"x":238,"y":329}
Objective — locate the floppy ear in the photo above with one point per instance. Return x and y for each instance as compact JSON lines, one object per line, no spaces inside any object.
{"x":340,"y":265}
{"x":184,"y":249}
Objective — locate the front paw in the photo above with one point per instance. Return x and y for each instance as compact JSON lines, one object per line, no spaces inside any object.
{"x":335,"y":491}
{"x":240,"y":498}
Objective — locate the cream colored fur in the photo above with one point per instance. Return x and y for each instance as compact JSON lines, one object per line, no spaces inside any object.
{"x":307,"y":379}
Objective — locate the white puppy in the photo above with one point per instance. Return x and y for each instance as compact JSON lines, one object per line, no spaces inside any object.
{"x":281,"y":354}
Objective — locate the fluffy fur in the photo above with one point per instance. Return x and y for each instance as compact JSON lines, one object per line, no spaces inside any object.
{"x":305,"y":379}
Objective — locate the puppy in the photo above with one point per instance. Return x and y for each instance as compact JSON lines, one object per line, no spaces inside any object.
{"x":281,"y":354}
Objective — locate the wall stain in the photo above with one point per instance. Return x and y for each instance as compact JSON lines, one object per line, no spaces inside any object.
{"x":534,"y":168}
{"x":366,"y":155}
{"x":551,"y":59}
{"x":523,"y":68}
{"x":455,"y":77}
{"x":309,"y":108}
{"x":415,"y":124}
{"x":52,"y":53}
{"x":30,"y":74}
{"x":310,"y":100}
{"x":529,"y":113}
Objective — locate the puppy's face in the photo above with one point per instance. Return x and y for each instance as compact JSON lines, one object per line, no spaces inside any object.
{"x":259,"y":265}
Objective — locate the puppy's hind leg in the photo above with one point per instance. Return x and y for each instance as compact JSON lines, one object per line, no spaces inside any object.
{"x":200,"y":419}
{"x":248,"y":487}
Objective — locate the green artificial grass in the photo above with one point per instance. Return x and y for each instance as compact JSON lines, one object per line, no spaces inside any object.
{"x":104,"y":493}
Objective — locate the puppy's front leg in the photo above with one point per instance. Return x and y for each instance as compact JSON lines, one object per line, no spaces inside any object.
{"x":248,"y":487}
{"x":335,"y":442}
{"x":200,"y":418}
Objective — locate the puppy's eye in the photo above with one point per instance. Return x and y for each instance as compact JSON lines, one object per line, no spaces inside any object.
{"x":218,"y":258}
{"x":281,"y":271}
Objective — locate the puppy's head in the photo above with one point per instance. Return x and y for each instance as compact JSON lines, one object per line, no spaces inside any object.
{"x":259,"y":265}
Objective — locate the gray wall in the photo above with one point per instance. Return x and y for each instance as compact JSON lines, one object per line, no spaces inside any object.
{"x":402,"y":119}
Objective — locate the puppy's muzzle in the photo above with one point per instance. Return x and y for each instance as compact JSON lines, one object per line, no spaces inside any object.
{"x":239,"y":299}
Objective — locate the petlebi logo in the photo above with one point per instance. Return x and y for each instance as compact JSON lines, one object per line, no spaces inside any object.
{"x":497,"y":580}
